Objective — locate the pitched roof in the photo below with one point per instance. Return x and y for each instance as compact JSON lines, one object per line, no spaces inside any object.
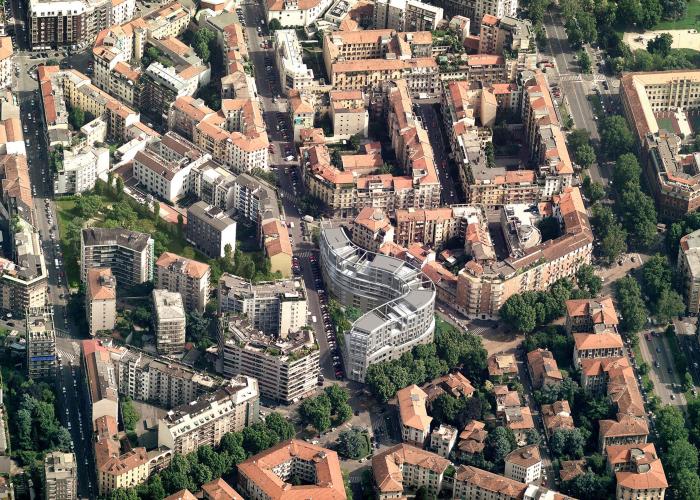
{"x":387,"y":466}
{"x":190,"y":267}
{"x":412,"y":409}
{"x":181,"y":495}
{"x":604,"y":340}
{"x":505,"y":487}
{"x":527,"y":456}
{"x":600,"y":311}
{"x":543,"y":366}
{"x":627,"y":425}
{"x":218,"y":489}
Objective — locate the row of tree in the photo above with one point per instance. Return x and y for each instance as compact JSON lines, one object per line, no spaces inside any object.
{"x":451,"y":349}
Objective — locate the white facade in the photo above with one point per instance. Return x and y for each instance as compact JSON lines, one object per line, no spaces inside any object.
{"x":294,"y":74}
{"x":6,"y":66}
{"x":296,"y":12}
{"x":169,"y":320}
{"x":81,"y":169}
{"x":497,"y":8}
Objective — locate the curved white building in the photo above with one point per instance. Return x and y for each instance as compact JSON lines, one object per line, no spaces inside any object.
{"x":397,"y":299}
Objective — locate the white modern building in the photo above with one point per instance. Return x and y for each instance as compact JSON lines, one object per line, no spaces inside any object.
{"x":292,"y":13}
{"x":60,"y":476}
{"x":397,"y":301}
{"x":294,"y":74}
{"x":524,"y":464}
{"x":80,"y":168}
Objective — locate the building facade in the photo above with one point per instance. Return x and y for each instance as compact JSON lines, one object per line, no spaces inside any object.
{"x":60,"y":476}
{"x":101,"y":300}
{"x":169,"y":321}
{"x":41,"y":343}
{"x":128,"y":253}
{"x":185,"y":276}
{"x":210,"y":229}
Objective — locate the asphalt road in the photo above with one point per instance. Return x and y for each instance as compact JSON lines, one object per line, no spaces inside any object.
{"x":666,"y":381}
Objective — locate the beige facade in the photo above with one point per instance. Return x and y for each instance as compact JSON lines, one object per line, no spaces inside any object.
{"x":169,"y":320}
{"x":185,"y":276}
{"x":688,"y":267}
{"x":405,"y":467}
{"x":415,"y":422}
{"x":60,"y":476}
{"x":101,"y":300}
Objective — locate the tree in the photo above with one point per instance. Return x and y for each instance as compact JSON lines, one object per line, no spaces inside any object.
{"x":613,"y":244}
{"x":584,"y":61}
{"x":490,"y":155}
{"x":178,"y":475}
{"x":577,"y":138}
{"x":587,"y":280}
{"x":88,"y":206}
{"x":274,"y":25}
{"x":353,"y":444}
{"x":669,"y":305}
{"x":568,"y":443}
{"x":316,"y":412}
{"x":594,"y":191}
{"x":661,"y":44}
{"x":673,"y":9}
{"x":650,"y":13}
{"x":120,"y":188}
{"x":627,"y":172}
{"x":76,"y":116}
{"x":630,"y":304}
{"x":336,"y":395}
{"x":615,"y":136}
{"x":499,"y":443}
{"x":280,"y":426}
{"x":589,"y":485}
{"x":533,"y":437}
{"x":584,"y":155}
{"x":422,"y":493}
{"x":197,"y":329}
{"x":688,"y":382}
{"x":129,"y":414}
{"x":670,"y":424}
{"x":202,"y":43}
{"x":517,"y":313}
{"x":687,"y":485}
{"x":156,"y":212}
{"x":681,"y":455}
{"x":447,"y":408}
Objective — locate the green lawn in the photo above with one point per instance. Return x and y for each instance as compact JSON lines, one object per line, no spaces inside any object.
{"x":690,"y":20}
{"x":71,"y":261}
{"x":665,"y":124}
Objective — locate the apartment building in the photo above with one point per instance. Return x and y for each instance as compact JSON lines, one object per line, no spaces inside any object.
{"x":406,"y":15}
{"x":432,"y":227}
{"x":80,"y":169}
{"x":292,"y":13}
{"x":255,"y":199}
{"x":162,"y":381}
{"x":41,"y":343}
{"x":638,"y":471}
{"x":185,"y":113}
{"x":597,"y":345}
{"x":210,"y":229}
{"x":472,"y":440}
{"x":163,"y":167}
{"x":116,"y":468}
{"x":348,"y":113}
{"x":101,"y":300}
{"x":100,"y":380}
{"x":591,"y":315}
{"x":60,"y":476}
{"x":471,"y":482}
{"x":276,"y":308}
{"x":443,"y":440}
{"x":625,"y":430}
{"x":556,"y":416}
{"x":688,"y":268}
{"x":6,"y":66}
{"x":213,"y":184}
{"x":286,"y":367}
{"x":543,"y":368}
{"x":185,"y":276}
{"x":271,"y":473}
{"x":405,"y":467}
{"x":364,"y":60}
{"x":169,"y":321}
{"x":371,"y":229}
{"x":396,"y":299}
{"x":128,"y":253}
{"x":415,"y":422}
{"x":674,"y":179}
{"x":524,"y":464}
{"x":294,"y":74}
{"x":207,"y":419}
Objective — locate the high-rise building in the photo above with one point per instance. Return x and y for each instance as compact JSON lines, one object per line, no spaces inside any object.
{"x":60,"y":476}
{"x":274,"y":307}
{"x":169,"y":320}
{"x":41,"y":342}
{"x":101,"y":300}
{"x":207,"y":419}
{"x":210,"y":229}
{"x":128,"y":253}
{"x":185,"y":276}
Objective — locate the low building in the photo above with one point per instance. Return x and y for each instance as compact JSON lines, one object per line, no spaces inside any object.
{"x":415,"y":422}
{"x":519,"y":420}
{"x":688,"y":267}
{"x":207,"y":419}
{"x":6,"y":66}
{"x":286,"y":367}
{"x":591,"y":315}
{"x":524,"y":464}
{"x":295,"y":13}
{"x":278,"y":247}
{"x":443,"y":439}
{"x":502,"y":367}
{"x":371,"y":229}
{"x":101,"y":300}
{"x":60,"y":476}
{"x":116,"y":468}
{"x":471,"y":482}
{"x":596,"y":345}
{"x":218,"y":489}
{"x":543,"y":368}
{"x":103,"y":399}
{"x":210,"y":229}
{"x":453,"y":384}
{"x":638,"y":471}
{"x":271,"y":473}
{"x":169,"y":321}
{"x":187,"y":277}
{"x":128,"y":253}
{"x":472,"y":440}
{"x":625,"y":430}
{"x":41,"y":343}
{"x":403,"y":467}
{"x":556,"y":416}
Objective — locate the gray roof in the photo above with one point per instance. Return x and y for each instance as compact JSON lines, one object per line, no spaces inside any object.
{"x":418,"y":298}
{"x":369,"y":322}
{"x":336,"y":237}
{"x":211,"y":215}
{"x":93,"y":236}
{"x":387,"y":263}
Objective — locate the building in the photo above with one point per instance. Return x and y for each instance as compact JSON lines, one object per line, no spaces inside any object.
{"x":101,"y":300}
{"x":161,"y":381}
{"x":543,"y":368}
{"x":128,"y":253}
{"x":213,"y":184}
{"x":638,"y":471}
{"x":349,"y":113}
{"x":443,"y":439}
{"x":406,"y":467}
{"x":502,"y":367}
{"x":454,"y":384}
{"x":169,"y":321}
{"x":60,"y":476}
{"x":396,"y":299}
{"x":371,"y":229}
{"x":472,"y":439}
{"x":406,"y":15}
{"x":625,"y":430}
{"x":218,"y":489}
{"x":210,"y":229}
{"x":101,"y":381}
{"x":591,"y":315}
{"x":294,"y":74}
{"x":276,"y":308}
{"x":278,"y":246}
{"x":615,"y":378}
{"x":295,"y":13}
{"x":597,"y":345}
{"x":524,"y":464}
{"x":116,"y":468}
{"x":413,"y":415}
{"x":41,"y":343}
{"x":187,"y":277}
{"x":6,"y":66}
{"x":688,"y":267}
{"x":556,"y":416}
{"x":80,"y":169}
{"x":270,"y":474}
{"x":519,"y":420}
{"x":470,"y":482}
{"x":255,"y":199}
{"x":674,"y":179}
{"x":207,"y":419}
{"x":432,"y":227}
{"x":286,"y":367}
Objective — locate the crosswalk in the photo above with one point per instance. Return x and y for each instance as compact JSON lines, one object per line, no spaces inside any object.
{"x":67,"y":357}
{"x":570,"y":77}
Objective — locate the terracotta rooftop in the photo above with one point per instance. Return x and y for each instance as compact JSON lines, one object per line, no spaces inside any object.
{"x":412,"y":401}
{"x":190,"y":267}
{"x":387,"y":466}
{"x":499,"y":485}
{"x":600,"y":311}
